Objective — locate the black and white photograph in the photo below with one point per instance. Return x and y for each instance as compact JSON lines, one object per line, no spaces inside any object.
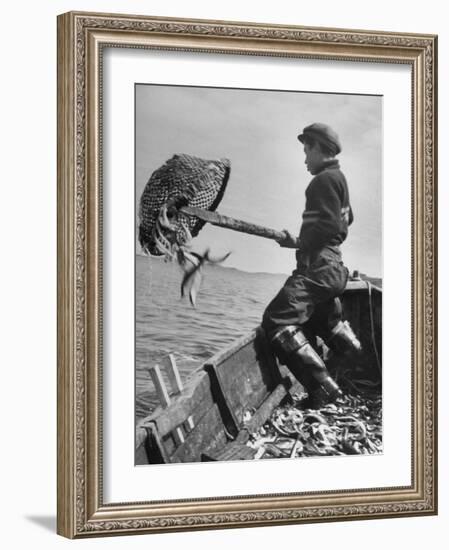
{"x":258,"y":274}
{"x":228,"y":331}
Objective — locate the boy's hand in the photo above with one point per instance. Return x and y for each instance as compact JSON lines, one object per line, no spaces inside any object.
{"x":289,"y":240}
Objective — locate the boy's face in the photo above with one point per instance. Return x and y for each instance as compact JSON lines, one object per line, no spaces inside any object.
{"x":314,"y":157}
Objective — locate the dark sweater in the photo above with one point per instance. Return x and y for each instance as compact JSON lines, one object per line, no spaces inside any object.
{"x":328,"y":212}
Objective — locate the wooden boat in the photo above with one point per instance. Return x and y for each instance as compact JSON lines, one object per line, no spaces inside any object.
{"x":235,"y":392}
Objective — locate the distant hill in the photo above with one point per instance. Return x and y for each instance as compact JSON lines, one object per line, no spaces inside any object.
{"x":377,"y":281}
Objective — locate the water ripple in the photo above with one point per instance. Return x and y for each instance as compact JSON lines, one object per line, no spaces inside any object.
{"x":229,"y":304}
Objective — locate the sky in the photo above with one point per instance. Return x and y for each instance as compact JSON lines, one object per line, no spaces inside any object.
{"x":257,"y":131}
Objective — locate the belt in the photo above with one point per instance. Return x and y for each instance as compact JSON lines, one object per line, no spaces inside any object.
{"x":306,"y":258}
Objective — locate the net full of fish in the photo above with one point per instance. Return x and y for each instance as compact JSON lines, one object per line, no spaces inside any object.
{"x":184,"y":180}
{"x":350,"y":426}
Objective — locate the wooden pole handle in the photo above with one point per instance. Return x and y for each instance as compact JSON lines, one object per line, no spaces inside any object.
{"x":231,"y":223}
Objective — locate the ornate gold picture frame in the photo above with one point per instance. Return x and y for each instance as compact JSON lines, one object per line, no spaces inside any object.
{"x":83,"y":510}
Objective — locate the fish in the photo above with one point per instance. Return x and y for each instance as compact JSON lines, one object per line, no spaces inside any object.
{"x":351,"y":428}
{"x":192,"y":263}
{"x":164,"y":221}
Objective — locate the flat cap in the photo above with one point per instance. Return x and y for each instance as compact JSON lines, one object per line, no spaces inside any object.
{"x":323,"y":134}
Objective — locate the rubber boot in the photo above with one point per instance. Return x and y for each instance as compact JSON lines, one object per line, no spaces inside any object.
{"x":301,"y":356}
{"x":327,"y":322}
{"x":342,"y":339}
{"x":316,"y":396}
{"x":318,"y":370}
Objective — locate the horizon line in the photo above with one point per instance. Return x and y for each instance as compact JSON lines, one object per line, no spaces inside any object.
{"x":246,"y":271}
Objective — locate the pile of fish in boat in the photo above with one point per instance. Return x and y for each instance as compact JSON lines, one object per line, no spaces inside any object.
{"x":351,"y":426}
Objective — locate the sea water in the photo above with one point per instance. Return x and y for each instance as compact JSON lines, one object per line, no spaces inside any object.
{"x":230,"y":304}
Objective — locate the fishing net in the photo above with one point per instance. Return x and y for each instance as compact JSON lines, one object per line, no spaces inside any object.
{"x":184,"y":180}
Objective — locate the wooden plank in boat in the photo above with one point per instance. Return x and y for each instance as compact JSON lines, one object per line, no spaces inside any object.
{"x":207,"y":436}
{"x":365,"y":316}
{"x":232,"y":451}
{"x":267,"y":407}
{"x":155,"y":450}
{"x":247,"y":373}
{"x":237,"y":450}
{"x":195,"y":400}
{"x":141,"y":456}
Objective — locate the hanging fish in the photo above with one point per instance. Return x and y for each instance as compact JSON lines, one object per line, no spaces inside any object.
{"x":192,"y":264}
